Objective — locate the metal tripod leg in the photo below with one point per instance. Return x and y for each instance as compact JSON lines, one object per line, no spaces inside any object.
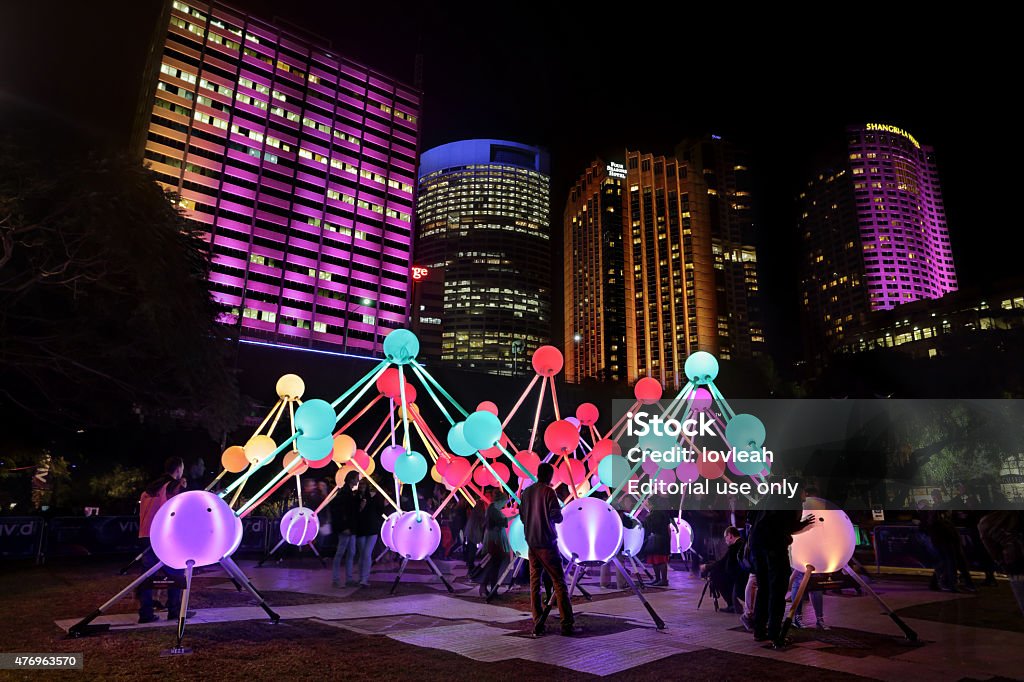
{"x":270,"y":553}
{"x":437,"y":572}
{"x":124,"y":571}
{"x":401,"y":570}
{"x":183,"y":611}
{"x":508,"y":569}
{"x":579,"y":585}
{"x":658,"y":622}
{"x":231,"y":567}
{"x":910,"y":634}
{"x":640,"y":567}
{"x":78,"y":629}
{"x":323,"y":564}
{"x":797,"y":601}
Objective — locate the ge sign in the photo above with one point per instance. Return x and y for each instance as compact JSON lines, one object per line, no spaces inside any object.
{"x":419,"y":273}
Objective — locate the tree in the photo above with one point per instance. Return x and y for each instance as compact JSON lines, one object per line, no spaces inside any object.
{"x":105,"y":309}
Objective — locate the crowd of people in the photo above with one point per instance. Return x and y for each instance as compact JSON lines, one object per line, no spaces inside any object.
{"x":752,"y":574}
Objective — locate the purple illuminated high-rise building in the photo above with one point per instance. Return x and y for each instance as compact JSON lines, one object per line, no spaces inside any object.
{"x":300,"y":166}
{"x":873,"y":234}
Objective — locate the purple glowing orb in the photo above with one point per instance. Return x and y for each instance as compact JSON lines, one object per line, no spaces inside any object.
{"x":828,"y":545}
{"x":682,"y":536}
{"x":299,"y":526}
{"x":591,"y":530}
{"x":416,"y":535}
{"x":632,"y":539}
{"x":387,"y":530}
{"x":195,"y":526}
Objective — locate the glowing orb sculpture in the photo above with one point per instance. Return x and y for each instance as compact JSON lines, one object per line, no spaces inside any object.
{"x":344,"y":448}
{"x":482,"y":429}
{"x":682,"y":537}
{"x":745,"y":432}
{"x":290,"y":387}
{"x":529,"y":460}
{"x":401,"y":346}
{"x":517,"y":538}
{"x":547,"y":361}
{"x":258,"y":448}
{"x":457,"y":473}
{"x":828,"y":545}
{"x":561,"y":437}
{"x":315,"y":418}
{"x":647,"y":391}
{"x":488,"y":406}
{"x":591,"y":530}
{"x":314,"y":449}
{"x":416,"y":535}
{"x":457,"y":440}
{"x":389,"y":456}
{"x":587,"y":414}
{"x":614,"y":471}
{"x":702,"y":400}
{"x":701,"y":367}
{"x":234,"y":459}
{"x":299,"y":526}
{"x":411,"y":467}
{"x":388,"y":528}
{"x":195,"y":525}
{"x":632,"y":539}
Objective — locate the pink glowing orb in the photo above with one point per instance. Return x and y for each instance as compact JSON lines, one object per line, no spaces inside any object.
{"x":416,"y":535}
{"x":709,"y":469}
{"x":591,"y":530}
{"x":587,"y":414}
{"x":197,"y":526}
{"x":682,"y":536}
{"x":488,"y":406}
{"x":299,"y":526}
{"x":647,"y":391}
{"x":632,"y":539}
{"x":529,"y":460}
{"x":687,"y":472}
{"x":561,"y":437}
{"x":828,"y":545}
{"x":571,"y":472}
{"x":547,"y":361}
{"x":702,"y":400}
{"x":457,"y":472}
{"x":574,"y":421}
{"x":388,"y":528}
{"x":602,"y":449}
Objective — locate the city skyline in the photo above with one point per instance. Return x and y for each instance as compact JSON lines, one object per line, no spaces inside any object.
{"x":532,"y":91}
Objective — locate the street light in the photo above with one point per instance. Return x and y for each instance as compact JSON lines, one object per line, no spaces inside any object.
{"x":577,"y":338}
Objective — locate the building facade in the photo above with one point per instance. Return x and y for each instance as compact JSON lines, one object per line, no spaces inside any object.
{"x":721,"y":198}
{"x":298,"y":164}
{"x":594,"y":320}
{"x":873,"y":233}
{"x":671,"y":301}
{"x":484,"y":238}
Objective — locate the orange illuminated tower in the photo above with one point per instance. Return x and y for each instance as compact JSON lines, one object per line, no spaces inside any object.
{"x":671,"y":300}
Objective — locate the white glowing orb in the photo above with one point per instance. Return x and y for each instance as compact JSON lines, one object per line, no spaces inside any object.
{"x":591,"y":530}
{"x":632,"y":539}
{"x":682,"y":536}
{"x":388,"y":529}
{"x":299,"y":526}
{"x":197,"y":526}
{"x":416,"y":535}
{"x":827,"y":545}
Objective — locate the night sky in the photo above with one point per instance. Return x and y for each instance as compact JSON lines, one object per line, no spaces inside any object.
{"x":585,"y":82}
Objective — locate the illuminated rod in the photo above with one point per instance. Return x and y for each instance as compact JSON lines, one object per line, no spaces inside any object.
{"x":372,"y":373}
{"x":516,"y":461}
{"x":440,"y":388}
{"x":426,"y":384}
{"x":252,"y":469}
{"x":267,"y":490}
{"x":483,"y":460}
{"x":536,"y":415}
{"x":363,"y":411}
{"x":519,"y":402}
{"x":364,"y":389}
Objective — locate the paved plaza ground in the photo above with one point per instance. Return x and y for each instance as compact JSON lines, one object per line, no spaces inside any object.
{"x":422,"y":632}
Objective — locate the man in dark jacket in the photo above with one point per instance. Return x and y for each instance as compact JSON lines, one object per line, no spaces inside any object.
{"x":771,"y":535}
{"x":727,"y":574}
{"x":540,"y":510}
{"x":344,"y":513}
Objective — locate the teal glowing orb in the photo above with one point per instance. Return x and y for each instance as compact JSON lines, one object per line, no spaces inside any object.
{"x":701,"y":367}
{"x":482,"y":429}
{"x":315,"y":418}
{"x":401,"y":346}
{"x":457,"y":440}
{"x":411,"y":467}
